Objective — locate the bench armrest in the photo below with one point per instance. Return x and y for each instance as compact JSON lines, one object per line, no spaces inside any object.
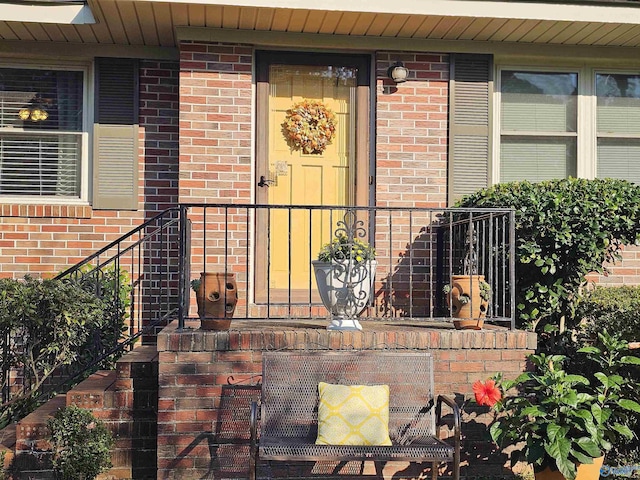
{"x":456,"y":428}
{"x":456,"y":414}
{"x":253,"y":442}
{"x":253,"y":424}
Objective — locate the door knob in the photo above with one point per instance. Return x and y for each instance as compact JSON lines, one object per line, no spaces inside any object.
{"x":264,"y":182}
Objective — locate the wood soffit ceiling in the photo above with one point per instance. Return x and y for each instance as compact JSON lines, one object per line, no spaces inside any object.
{"x":154,"y":23}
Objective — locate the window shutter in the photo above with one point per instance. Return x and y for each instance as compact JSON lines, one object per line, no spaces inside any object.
{"x":470,"y":91}
{"x":115,"y":135}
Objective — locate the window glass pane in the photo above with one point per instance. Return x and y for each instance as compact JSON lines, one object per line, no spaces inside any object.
{"x":40,"y":99}
{"x":618,"y":109}
{"x":40,"y":165}
{"x":537,"y":158}
{"x":539,"y":101}
{"x":36,"y":107}
{"x":619,"y":158}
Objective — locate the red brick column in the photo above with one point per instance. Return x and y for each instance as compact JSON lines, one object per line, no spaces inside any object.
{"x":215,"y":150}
{"x":411,"y":131}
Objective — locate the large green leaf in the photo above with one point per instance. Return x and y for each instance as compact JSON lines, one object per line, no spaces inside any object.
{"x":577,"y":379}
{"x":558,"y":449}
{"x":581,"y":457}
{"x":630,"y":360}
{"x":629,"y":405}
{"x":496,"y":432}
{"x":598,"y":414}
{"x":623,"y":430}
{"x":604,"y":380}
{"x":588,"y":446}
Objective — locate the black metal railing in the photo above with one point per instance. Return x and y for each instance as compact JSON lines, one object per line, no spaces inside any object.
{"x":136,"y":276}
{"x":145,"y":275}
{"x":269,"y":249}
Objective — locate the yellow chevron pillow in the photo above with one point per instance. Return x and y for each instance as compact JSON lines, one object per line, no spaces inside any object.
{"x":353,"y":415}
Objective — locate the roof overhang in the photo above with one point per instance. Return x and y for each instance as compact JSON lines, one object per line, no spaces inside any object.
{"x":67,"y":13}
{"x":450,"y":23}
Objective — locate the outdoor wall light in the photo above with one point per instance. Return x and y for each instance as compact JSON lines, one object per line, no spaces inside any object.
{"x":398,"y":72}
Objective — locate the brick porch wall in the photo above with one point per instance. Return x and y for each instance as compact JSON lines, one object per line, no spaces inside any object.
{"x":43,"y":240}
{"x":206,"y":383}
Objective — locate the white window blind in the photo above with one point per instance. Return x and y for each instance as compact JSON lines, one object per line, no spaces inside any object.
{"x":618,"y":126}
{"x":40,"y":132}
{"x":538,"y":124}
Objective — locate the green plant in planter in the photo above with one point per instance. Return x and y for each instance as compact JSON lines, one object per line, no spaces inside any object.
{"x":563,"y":419}
{"x":80,"y":443}
{"x":485,"y":292}
{"x":195,"y":284}
{"x":341,"y":249}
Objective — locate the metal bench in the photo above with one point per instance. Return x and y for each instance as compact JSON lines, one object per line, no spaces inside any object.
{"x":288,"y":423}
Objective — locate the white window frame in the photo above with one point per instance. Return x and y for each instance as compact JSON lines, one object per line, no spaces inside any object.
{"x":593,"y":104}
{"x":85,"y":139}
{"x":581,"y":124}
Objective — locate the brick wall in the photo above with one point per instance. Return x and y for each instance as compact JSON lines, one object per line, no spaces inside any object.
{"x":215,"y":150}
{"x":43,"y":240}
{"x":411,"y":171}
{"x":411,"y":131}
{"x":206,"y":384}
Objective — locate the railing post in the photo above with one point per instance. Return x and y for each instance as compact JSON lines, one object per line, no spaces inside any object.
{"x":182,"y":264}
{"x":512,"y":266}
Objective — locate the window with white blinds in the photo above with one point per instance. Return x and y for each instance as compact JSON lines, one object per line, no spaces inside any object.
{"x":538,"y":125}
{"x":41,"y":127}
{"x":618,"y":126}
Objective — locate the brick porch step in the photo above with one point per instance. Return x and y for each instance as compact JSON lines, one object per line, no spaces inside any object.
{"x":93,"y":392}
{"x":8,"y":444}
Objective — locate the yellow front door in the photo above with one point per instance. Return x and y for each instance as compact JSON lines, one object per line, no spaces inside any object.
{"x":323,"y":177}
{"x":299,"y":178}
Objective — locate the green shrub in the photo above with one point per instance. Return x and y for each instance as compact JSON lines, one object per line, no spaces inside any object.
{"x":81,"y":444}
{"x":565,"y":229}
{"x":113,"y":287}
{"x":616,"y":309}
{"x":50,"y":323}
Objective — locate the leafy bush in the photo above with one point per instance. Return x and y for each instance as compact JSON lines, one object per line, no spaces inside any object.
{"x":49,"y":323}
{"x":566,"y":417}
{"x":81,"y":444}
{"x":565,"y":229}
{"x":113,"y":287}
{"x":616,"y":309}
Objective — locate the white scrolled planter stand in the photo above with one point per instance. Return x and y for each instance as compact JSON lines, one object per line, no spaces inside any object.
{"x":344,"y":289}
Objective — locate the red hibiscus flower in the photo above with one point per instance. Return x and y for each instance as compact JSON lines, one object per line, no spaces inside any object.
{"x":486,"y":393}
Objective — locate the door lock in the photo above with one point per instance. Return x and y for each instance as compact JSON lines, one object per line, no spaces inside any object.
{"x":265,"y":182}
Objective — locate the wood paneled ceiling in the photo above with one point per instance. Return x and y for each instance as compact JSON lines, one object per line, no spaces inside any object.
{"x":153,"y":23}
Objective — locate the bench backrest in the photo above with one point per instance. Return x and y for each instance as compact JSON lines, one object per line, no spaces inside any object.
{"x":290,"y":389}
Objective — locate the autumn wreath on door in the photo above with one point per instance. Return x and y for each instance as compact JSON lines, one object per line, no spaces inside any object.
{"x":309,"y":126}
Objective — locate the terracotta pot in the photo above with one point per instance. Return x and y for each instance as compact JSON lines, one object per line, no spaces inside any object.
{"x":217,"y":298}
{"x":469,"y":314}
{"x":586,"y":471}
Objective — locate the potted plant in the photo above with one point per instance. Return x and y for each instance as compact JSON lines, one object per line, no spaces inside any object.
{"x":345,"y":272}
{"x":563,"y":423}
{"x":217,"y":297}
{"x":468,"y":299}
{"x":80,"y":443}
{"x":468,"y":295}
